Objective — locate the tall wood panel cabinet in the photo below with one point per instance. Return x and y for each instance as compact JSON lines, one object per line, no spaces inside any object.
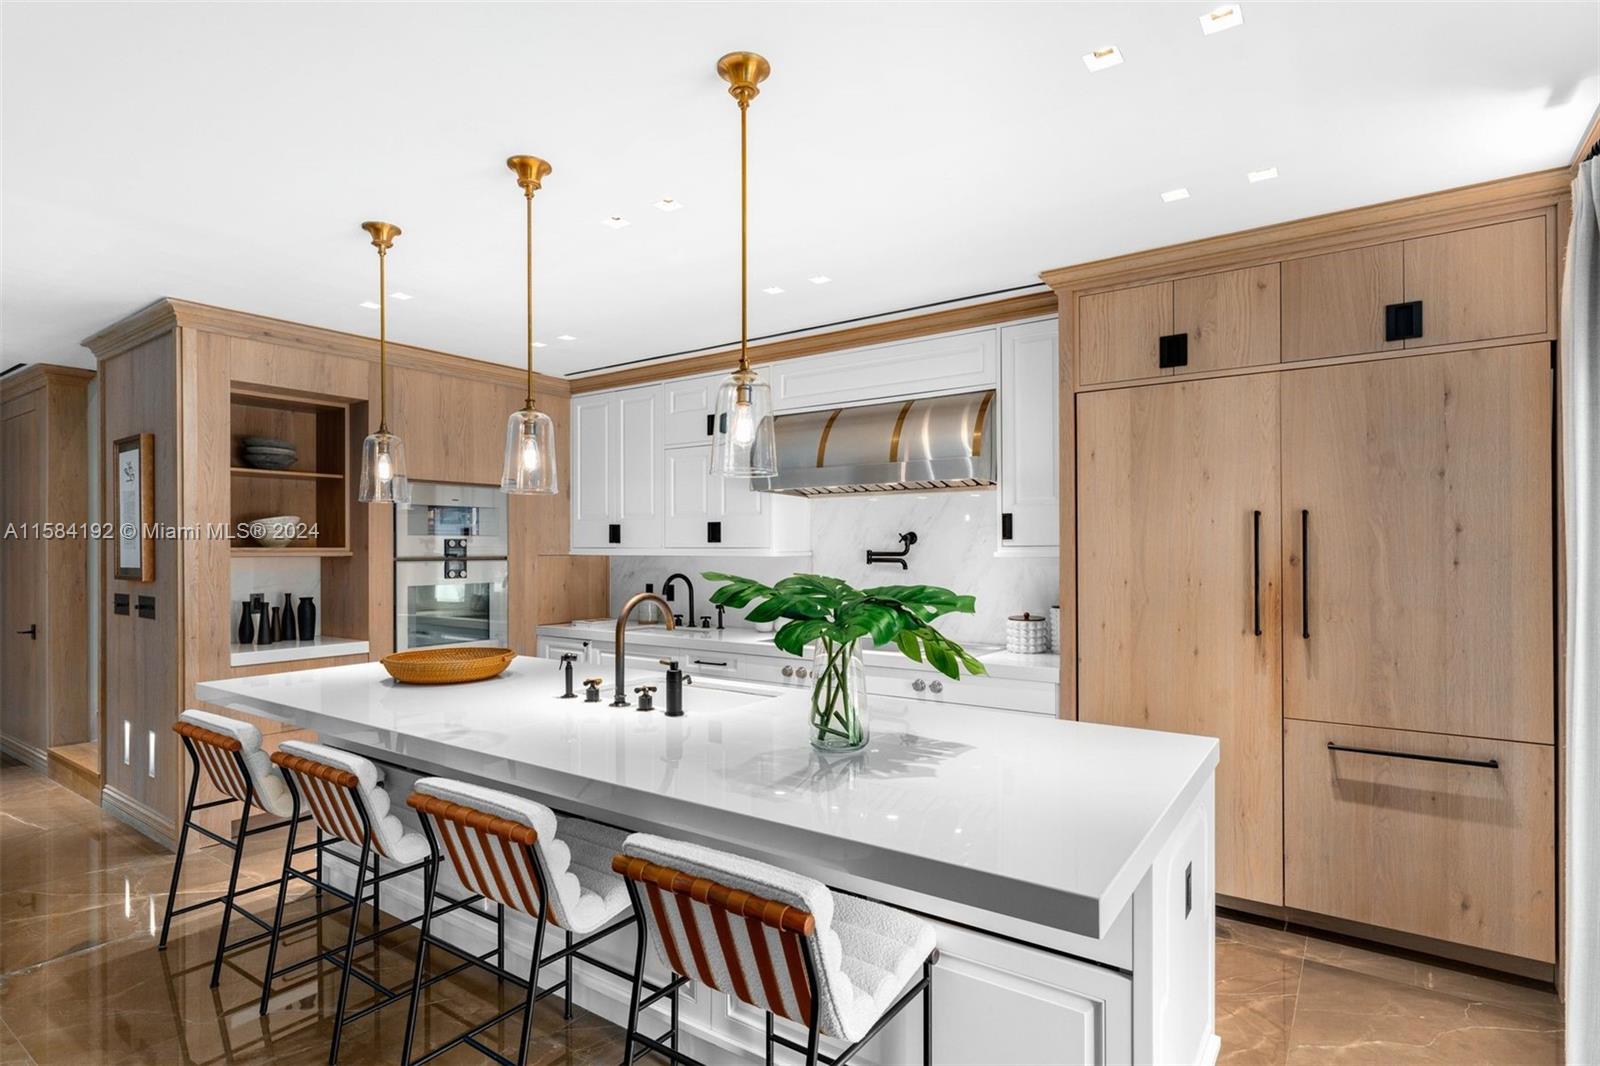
{"x":1329,"y":542}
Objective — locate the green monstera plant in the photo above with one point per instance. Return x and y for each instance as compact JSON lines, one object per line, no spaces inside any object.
{"x":837,"y":616}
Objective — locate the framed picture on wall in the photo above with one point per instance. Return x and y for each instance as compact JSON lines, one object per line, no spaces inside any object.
{"x":136,"y":506}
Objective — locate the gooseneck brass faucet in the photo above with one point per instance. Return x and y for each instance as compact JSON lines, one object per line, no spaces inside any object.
{"x":621,"y":699}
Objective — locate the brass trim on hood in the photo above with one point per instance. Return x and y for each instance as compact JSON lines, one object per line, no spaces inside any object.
{"x":977,"y":425}
{"x":899,"y":425}
{"x":822,"y":441}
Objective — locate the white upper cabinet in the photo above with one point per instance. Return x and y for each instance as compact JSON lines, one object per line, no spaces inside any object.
{"x":687,"y":408}
{"x":706,"y":514}
{"x":1030,"y":468}
{"x":954,"y":362}
{"x":615,"y":464}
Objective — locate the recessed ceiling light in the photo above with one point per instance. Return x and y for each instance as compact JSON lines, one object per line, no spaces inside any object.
{"x":1262,"y":175}
{"x":369,"y":305}
{"x":1223,"y":18}
{"x":615,"y":221}
{"x":772,"y":290}
{"x":1101,"y":58}
{"x":1172,"y":195}
{"x":538,"y":344}
{"x":399,"y":296}
{"x":667,"y":203}
{"x":819,"y":279}
{"x":566,"y":337}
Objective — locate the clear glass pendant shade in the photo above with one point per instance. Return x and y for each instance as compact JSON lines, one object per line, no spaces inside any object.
{"x":743,"y":443}
{"x":530,"y":459}
{"x":383,"y":469}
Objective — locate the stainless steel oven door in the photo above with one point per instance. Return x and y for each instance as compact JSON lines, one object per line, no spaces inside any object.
{"x":450,"y":601}
{"x":460,"y":521}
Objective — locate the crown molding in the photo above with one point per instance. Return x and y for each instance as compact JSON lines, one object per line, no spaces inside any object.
{"x":1392,"y":220}
{"x":37,"y":375}
{"x":168,"y":313}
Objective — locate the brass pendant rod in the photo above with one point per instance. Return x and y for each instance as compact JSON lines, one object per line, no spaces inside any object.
{"x":744,"y":235}
{"x":383,"y":342}
{"x":529,"y":197}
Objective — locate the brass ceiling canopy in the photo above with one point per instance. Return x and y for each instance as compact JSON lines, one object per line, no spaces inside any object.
{"x":744,"y":72}
{"x":531,"y":172}
{"x":382,"y":234}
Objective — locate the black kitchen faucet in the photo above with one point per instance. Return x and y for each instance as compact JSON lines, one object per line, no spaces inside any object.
{"x":667,"y":590}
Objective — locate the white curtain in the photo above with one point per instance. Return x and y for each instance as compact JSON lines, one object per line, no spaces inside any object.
{"x":1580,"y":420}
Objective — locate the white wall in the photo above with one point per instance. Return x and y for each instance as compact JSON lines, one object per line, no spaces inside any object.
{"x":956,"y":537}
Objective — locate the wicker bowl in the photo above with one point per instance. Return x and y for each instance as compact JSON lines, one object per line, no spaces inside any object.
{"x":448,"y":665}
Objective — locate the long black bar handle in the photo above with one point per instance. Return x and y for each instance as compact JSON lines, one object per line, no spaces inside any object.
{"x":1305,"y":575}
{"x":1256,"y":579}
{"x":1487,"y":764}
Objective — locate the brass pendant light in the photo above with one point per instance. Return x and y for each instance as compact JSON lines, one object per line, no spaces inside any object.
{"x":383,"y":455}
{"x":529,"y":466}
{"x":743,"y":444}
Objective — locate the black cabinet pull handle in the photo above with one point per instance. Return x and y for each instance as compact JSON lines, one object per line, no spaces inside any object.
{"x":32,"y":632}
{"x":614,"y":533}
{"x":708,"y":662}
{"x":1487,"y":764}
{"x":1256,"y":579}
{"x":1005,"y":525}
{"x":1305,"y":575}
{"x":711,"y":425}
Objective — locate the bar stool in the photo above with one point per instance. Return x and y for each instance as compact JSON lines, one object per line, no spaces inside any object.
{"x":778,"y":941}
{"x":230,"y":752}
{"x":348,"y":804}
{"x":516,"y":852}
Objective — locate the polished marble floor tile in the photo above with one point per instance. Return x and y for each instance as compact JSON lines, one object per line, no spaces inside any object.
{"x":81,"y":983}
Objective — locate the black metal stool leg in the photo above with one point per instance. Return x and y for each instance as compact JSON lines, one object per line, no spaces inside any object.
{"x":233,"y":886}
{"x":429,"y":884}
{"x":638,"y":983}
{"x":927,"y":1014}
{"x":533,"y":990}
{"x":183,"y":841}
{"x":277,"y":914}
{"x":349,"y":948}
{"x":769,"y":1038}
{"x":566,"y":1011}
{"x":319,"y":866}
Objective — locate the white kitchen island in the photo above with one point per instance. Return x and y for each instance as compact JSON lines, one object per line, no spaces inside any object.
{"x":1068,"y":867}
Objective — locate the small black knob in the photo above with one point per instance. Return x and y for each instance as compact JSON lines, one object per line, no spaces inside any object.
{"x":591,"y":689}
{"x":705,"y":621}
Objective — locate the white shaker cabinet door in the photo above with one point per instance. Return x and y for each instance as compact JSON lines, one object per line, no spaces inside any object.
{"x":591,"y":464}
{"x":1030,"y":466}
{"x":638,"y":464}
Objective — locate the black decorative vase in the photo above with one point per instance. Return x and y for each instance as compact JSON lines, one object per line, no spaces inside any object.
{"x":287,"y":632}
{"x":263,"y":626}
{"x":277,"y":626}
{"x":247,"y":626}
{"x":308,"y":618}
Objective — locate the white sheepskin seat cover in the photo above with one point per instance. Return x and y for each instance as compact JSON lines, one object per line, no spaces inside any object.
{"x":865,"y":953}
{"x":576,"y":855}
{"x":397,"y":843}
{"x":271,"y":792}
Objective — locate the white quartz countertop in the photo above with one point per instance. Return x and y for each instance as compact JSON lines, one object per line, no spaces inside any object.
{"x":999,"y":662}
{"x":1046,"y":821}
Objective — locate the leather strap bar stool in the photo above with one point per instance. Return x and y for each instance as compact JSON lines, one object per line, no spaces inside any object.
{"x":778,"y":941}
{"x":516,"y":852}
{"x":229,"y":752}
{"x":348,"y":804}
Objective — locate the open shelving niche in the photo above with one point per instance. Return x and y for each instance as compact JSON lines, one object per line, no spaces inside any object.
{"x":317,"y":487}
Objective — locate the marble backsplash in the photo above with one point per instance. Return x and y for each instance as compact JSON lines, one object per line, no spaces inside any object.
{"x":957,"y":533}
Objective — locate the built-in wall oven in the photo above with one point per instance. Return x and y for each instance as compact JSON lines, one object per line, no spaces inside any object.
{"x":450,"y":569}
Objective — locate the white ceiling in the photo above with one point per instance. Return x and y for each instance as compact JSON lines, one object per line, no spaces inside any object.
{"x":225,"y":153}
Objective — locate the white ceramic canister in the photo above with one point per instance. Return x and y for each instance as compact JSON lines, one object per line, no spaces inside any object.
{"x":1027,"y":634}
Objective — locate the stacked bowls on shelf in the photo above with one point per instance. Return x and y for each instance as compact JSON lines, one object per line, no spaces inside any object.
{"x":268,"y":453}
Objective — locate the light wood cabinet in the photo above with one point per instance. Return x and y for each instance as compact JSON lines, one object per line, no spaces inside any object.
{"x":1177,"y":591}
{"x":1425,"y":485}
{"x":1119,"y":333}
{"x":1230,"y":319}
{"x":1030,"y":469}
{"x":1223,"y":320}
{"x":1333,"y":304}
{"x":1457,"y":851}
{"x":1480,"y":284}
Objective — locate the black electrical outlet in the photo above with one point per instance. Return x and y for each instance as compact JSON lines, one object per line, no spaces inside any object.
{"x":1173,"y":350}
{"x":119,"y":603}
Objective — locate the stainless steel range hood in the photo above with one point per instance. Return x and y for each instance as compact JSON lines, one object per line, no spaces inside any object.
{"x":939,"y":442}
